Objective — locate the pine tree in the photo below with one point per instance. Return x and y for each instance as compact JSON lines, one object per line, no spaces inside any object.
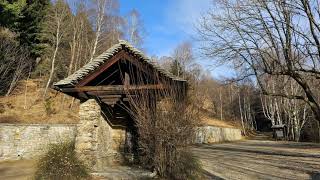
{"x":30,"y":25}
{"x":10,"y":12}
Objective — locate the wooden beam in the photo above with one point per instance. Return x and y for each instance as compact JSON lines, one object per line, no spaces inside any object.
{"x":110,"y":103}
{"x":125,"y":99}
{"x":145,"y":67}
{"x":126,"y":79}
{"x":108,"y":76}
{"x":114,"y":88}
{"x":101,"y":69}
{"x":110,"y":96}
{"x":140,"y":65}
{"x":102,"y":93}
{"x":110,"y":100}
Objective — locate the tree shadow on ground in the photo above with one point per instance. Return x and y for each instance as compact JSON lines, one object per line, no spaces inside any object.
{"x":264,"y":152}
{"x":284,"y":144}
{"x":209,"y":175}
{"x":255,"y":160}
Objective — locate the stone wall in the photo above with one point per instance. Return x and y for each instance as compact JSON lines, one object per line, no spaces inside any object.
{"x":211,"y":134}
{"x":26,"y":141}
{"x":99,"y":142}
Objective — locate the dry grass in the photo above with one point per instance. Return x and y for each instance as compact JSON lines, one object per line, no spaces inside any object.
{"x":206,"y":120}
{"x":26,"y":105}
{"x":31,"y":108}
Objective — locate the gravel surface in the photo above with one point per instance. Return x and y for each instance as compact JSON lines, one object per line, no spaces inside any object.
{"x":249,"y":159}
{"x":256,"y":159}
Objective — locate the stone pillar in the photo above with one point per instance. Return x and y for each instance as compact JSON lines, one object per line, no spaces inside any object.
{"x":99,"y":143}
{"x":86,"y":141}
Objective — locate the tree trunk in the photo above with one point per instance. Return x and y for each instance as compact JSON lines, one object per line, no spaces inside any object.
{"x":53,"y":60}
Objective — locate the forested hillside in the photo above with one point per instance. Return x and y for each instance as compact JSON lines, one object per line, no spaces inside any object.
{"x":43,"y":41}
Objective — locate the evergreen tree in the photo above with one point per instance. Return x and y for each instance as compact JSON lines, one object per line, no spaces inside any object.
{"x":30,"y":25}
{"x":10,"y":12}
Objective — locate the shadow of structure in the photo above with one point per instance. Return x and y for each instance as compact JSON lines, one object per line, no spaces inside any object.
{"x":315,"y":176}
{"x":119,"y":119}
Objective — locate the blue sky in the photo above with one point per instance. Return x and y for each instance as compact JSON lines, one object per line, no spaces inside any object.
{"x":170,"y":22}
{"x":167,"y":22}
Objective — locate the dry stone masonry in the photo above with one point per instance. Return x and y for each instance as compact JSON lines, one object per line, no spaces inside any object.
{"x":211,"y":134}
{"x":25,"y":141}
{"x":97,"y":143}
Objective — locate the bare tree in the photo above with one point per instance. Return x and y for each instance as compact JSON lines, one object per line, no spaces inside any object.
{"x":135,"y":28}
{"x":221,"y":106}
{"x":103,"y":22}
{"x":280,"y":110}
{"x":14,"y":64}
{"x":81,"y":38}
{"x":56,"y":25}
{"x":99,"y":22}
{"x":183,"y":57}
{"x":241,"y":115}
{"x":268,"y":37}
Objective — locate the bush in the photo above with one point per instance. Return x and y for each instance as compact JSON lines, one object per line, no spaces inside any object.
{"x":61,"y":163}
{"x":165,"y":137}
{"x":187,"y":166}
{"x":48,"y":105}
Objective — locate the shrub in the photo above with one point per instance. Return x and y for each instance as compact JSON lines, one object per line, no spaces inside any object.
{"x":61,"y":163}
{"x":175,"y":129}
{"x":187,"y":166}
{"x":164,"y":139}
{"x":48,"y":105}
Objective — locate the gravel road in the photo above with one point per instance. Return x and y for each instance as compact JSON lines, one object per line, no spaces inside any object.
{"x":256,"y":159}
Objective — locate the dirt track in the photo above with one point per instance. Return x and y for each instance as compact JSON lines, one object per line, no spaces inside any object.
{"x":253,"y":159}
{"x":250,"y":159}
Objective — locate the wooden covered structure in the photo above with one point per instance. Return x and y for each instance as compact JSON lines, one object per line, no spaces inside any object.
{"x":107,"y":87}
{"x":119,"y":72}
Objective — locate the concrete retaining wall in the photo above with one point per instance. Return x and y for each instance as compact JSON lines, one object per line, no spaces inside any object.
{"x":26,"y":141}
{"x":211,"y":134}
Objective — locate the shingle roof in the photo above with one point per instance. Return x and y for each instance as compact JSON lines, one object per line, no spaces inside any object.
{"x":80,"y":74}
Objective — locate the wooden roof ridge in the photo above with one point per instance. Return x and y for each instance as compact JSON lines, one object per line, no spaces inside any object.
{"x":84,"y":71}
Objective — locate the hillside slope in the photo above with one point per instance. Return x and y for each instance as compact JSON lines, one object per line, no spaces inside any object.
{"x":27,"y":105}
{"x":209,"y":121}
